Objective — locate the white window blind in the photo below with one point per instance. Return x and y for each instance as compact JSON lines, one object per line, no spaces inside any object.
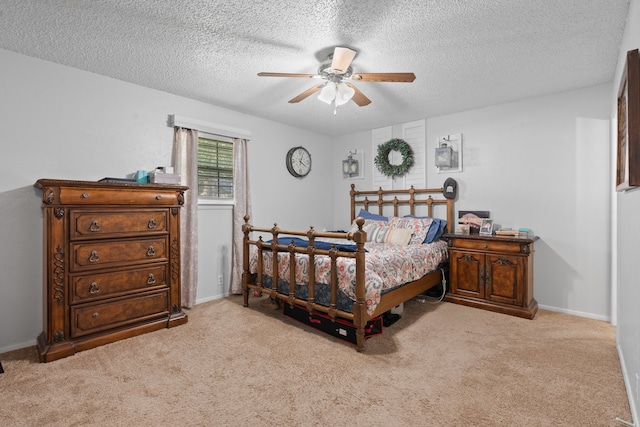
{"x":215,"y":169}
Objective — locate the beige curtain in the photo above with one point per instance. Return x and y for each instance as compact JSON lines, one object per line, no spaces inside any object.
{"x":185,"y":162}
{"x":241,"y":207}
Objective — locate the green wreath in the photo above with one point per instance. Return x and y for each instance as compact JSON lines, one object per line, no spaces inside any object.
{"x":382,"y":159}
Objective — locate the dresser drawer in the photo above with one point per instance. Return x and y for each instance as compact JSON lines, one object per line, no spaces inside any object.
{"x":89,"y":319}
{"x":102,"y":285}
{"x":487,"y":245}
{"x":116,"y":196}
{"x":117,"y":253}
{"x":92,"y":224}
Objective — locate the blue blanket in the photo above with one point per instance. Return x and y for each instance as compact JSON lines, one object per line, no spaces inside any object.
{"x":304,"y":243}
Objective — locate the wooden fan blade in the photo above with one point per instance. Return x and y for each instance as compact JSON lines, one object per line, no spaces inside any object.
{"x":358,"y":97}
{"x":306,"y":93}
{"x":342,"y":57}
{"x":266,"y":74}
{"x":384,"y":77}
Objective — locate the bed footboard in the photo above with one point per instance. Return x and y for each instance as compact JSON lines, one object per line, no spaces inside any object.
{"x":281,"y":242}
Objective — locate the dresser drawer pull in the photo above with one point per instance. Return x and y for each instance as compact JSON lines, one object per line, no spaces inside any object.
{"x":94,"y":288}
{"x":94,"y":226}
{"x":152,"y":224}
{"x":85,"y":195}
{"x":96,"y":314}
{"x":485,"y":246}
{"x":158,"y":197}
{"x":151,"y":251}
{"x":93,"y":257}
{"x":151,"y":279}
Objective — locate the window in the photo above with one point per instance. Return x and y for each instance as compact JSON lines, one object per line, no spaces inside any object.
{"x":215,"y":169}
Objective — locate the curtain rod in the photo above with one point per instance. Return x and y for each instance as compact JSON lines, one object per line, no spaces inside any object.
{"x":203,"y":126}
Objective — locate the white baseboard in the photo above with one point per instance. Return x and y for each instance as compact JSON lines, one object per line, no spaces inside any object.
{"x":212,"y":298}
{"x":576,"y":313}
{"x":17,"y":346}
{"x":628,"y":386}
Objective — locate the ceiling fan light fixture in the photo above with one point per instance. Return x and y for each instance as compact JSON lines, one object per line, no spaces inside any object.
{"x":344,"y":94}
{"x":328,"y":93}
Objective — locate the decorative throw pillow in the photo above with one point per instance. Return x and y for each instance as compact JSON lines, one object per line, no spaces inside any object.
{"x":436,"y":230}
{"x":395,"y":236}
{"x":442,"y":229}
{"x":367,"y":222}
{"x":370,"y":228}
{"x":419,"y":226}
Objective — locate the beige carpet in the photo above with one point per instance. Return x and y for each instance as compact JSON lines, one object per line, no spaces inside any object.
{"x":440,"y":365}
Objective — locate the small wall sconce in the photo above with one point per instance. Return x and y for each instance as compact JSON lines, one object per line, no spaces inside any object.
{"x":444,"y":156}
{"x":349,"y":166}
{"x":448,"y":155}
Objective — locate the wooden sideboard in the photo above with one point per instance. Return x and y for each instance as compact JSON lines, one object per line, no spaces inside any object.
{"x":111,"y":263}
{"x":493,"y":273}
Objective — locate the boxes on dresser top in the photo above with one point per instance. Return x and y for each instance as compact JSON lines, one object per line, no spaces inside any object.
{"x":164,"y":175}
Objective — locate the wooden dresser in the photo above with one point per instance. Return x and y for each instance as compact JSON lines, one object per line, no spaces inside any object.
{"x":111,"y":263}
{"x":493,"y":273}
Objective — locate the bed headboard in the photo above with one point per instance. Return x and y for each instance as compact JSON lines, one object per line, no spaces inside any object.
{"x":404,"y":202}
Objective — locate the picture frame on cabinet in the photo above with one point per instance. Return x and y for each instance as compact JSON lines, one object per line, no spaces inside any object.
{"x":628,"y":129}
{"x":463,"y":229}
{"x":486,"y":227}
{"x":473,"y":219}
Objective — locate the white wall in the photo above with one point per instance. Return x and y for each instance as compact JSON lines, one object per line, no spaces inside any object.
{"x":63,"y":123}
{"x":541,"y":163}
{"x":214,"y":251}
{"x":627,"y":205}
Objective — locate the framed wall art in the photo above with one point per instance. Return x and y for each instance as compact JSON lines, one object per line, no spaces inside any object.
{"x":628,"y":140}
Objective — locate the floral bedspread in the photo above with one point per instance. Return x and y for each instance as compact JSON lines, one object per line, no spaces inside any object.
{"x":387,"y":266}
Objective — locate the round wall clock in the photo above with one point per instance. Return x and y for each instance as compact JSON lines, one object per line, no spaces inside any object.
{"x":299,"y":162}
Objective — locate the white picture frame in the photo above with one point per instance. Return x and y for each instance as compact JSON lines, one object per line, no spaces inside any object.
{"x":463,"y":229}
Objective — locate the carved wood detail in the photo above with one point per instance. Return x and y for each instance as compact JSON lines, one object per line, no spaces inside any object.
{"x":58,"y":336}
{"x":49,"y":197}
{"x":58,"y":275}
{"x":175,"y":260}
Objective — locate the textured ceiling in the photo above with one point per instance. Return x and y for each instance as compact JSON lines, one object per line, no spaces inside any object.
{"x":465,"y":53}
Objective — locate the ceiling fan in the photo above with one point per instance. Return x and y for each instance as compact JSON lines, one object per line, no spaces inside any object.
{"x":334,"y":72}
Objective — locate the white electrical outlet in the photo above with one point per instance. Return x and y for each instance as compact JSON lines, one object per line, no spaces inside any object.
{"x":220,"y":282}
